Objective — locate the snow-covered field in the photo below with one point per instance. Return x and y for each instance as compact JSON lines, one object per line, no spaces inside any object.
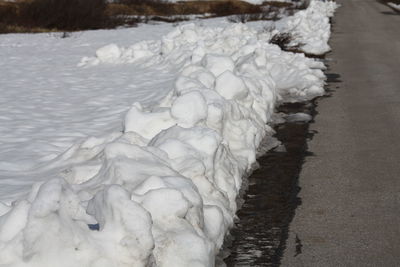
{"x":128,"y":147}
{"x":48,"y":103}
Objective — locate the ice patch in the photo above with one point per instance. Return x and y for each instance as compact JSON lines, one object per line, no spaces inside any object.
{"x":298,"y":117}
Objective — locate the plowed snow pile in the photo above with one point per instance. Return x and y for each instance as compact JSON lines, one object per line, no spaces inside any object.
{"x":163,"y":192}
{"x":312,"y":27}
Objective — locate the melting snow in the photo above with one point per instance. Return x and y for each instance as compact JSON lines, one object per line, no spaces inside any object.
{"x":160,"y":188}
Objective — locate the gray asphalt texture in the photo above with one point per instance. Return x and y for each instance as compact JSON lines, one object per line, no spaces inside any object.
{"x":350,"y":188}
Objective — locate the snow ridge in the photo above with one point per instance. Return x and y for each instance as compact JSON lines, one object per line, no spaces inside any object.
{"x":312,"y":28}
{"x":163,"y":192}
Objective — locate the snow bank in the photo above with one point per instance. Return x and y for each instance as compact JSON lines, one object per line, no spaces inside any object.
{"x":311,"y":27}
{"x":394,"y":6}
{"x":163,"y":192}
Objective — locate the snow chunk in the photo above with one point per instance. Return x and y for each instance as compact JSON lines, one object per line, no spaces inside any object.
{"x":126,"y":221}
{"x":165,"y":203}
{"x":189,"y":109}
{"x":109,"y":53}
{"x":298,"y":117}
{"x":218,"y":64}
{"x":147,"y":124}
{"x":230,"y":86}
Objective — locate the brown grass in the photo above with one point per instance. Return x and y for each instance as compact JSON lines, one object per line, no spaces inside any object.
{"x":159,"y":8}
{"x":397,"y":2}
{"x":52,"y":15}
{"x":72,"y":15}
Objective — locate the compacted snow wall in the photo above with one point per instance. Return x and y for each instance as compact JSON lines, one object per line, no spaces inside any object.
{"x":311,"y":27}
{"x":163,"y":192}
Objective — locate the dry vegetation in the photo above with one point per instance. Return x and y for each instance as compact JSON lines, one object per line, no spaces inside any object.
{"x":50,"y":15}
{"x":397,"y":2}
{"x":160,"y":8}
{"x":72,"y":15}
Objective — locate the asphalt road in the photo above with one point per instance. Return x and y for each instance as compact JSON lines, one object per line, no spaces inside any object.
{"x":350,"y":212}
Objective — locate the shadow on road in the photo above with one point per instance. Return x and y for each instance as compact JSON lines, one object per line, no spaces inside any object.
{"x":390,"y":13}
{"x":259,"y":237}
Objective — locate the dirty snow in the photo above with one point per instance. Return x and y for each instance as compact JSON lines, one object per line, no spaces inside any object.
{"x":130,"y":150}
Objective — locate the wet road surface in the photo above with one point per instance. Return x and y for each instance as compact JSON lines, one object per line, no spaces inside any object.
{"x":350,"y":188}
{"x":259,"y":237}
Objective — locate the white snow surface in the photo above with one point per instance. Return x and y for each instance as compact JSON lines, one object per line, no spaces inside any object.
{"x":47,"y":103}
{"x":161,"y":190}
